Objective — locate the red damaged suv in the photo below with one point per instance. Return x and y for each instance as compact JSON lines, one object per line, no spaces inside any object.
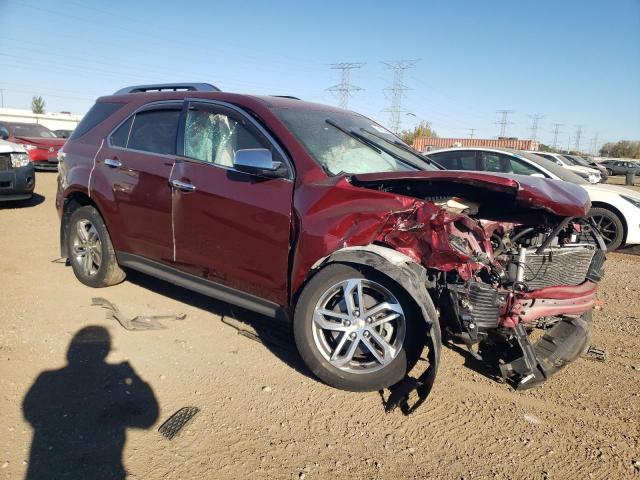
{"x":321,"y":216}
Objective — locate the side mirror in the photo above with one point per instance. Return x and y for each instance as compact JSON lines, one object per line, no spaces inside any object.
{"x":258,"y":161}
{"x":4,"y":133}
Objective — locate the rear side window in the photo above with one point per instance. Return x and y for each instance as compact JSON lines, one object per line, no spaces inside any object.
{"x":151,"y":131}
{"x":99,"y":112}
{"x":460,"y":160}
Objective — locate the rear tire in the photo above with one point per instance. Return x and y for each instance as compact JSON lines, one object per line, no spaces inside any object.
{"x":378,"y":353}
{"x":91,"y":252}
{"x":609,"y":225}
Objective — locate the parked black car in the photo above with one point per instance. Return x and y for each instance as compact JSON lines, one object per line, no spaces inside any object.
{"x":621,"y":167}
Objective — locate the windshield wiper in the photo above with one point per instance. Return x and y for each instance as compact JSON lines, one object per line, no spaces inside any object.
{"x":404,"y":148}
{"x":355,"y":135}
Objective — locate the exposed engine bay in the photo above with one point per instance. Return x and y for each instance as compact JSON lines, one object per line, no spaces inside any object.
{"x":499,"y":268}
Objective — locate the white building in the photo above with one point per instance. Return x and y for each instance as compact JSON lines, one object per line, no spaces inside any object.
{"x":53,"y":121}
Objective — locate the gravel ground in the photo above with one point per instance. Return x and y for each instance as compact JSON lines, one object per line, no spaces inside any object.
{"x":261,"y":414}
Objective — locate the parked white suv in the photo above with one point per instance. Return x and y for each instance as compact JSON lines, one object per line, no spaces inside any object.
{"x":615,"y":209}
{"x":592,"y":175}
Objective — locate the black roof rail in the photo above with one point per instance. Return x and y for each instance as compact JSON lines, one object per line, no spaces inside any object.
{"x":172,"y":87}
{"x":286,"y":96}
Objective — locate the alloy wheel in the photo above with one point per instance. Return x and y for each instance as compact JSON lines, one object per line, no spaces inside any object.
{"x":606,"y":227}
{"x":359,"y":326}
{"x":87,"y":247}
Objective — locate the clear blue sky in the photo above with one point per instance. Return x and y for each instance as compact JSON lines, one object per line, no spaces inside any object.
{"x":575,"y":62}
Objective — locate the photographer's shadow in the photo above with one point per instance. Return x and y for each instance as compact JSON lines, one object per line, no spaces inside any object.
{"x":80,"y":413}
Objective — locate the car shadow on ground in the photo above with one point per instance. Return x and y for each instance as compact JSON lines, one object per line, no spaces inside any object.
{"x":81,"y":412}
{"x":487,"y":367}
{"x":35,"y":200}
{"x":275,"y":335}
{"x":631,"y":250}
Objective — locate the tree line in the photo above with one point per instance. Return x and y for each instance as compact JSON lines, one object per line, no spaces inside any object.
{"x":621,"y":149}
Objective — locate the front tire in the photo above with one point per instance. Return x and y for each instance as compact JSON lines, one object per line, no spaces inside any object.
{"x":610,"y":227}
{"x":91,"y":252}
{"x":356,"y":329}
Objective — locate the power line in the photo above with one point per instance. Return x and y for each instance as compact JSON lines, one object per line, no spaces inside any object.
{"x":504,"y":114}
{"x":472,"y":132}
{"x":578,"y":137}
{"x":534,"y":125}
{"x":344,"y":88}
{"x":556,"y":131}
{"x":397,"y":91}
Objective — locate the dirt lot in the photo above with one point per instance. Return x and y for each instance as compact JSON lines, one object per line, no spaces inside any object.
{"x":263,"y":416}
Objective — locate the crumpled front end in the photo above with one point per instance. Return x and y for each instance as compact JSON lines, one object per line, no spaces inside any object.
{"x":498,"y":270}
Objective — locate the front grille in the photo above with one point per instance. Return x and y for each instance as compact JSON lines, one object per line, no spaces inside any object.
{"x":557,"y":266}
{"x":5,"y":162}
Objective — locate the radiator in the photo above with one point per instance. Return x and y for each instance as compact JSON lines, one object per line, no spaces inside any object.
{"x":557,"y":266}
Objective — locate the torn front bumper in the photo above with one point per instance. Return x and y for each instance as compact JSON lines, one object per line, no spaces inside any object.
{"x":550,"y":302}
{"x":569,"y":337}
{"x":562,"y":344}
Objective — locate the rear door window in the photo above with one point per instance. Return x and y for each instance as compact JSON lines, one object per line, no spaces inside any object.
{"x":521,"y":168}
{"x":496,"y":162}
{"x":155,"y":131}
{"x":459,"y":160}
{"x":152,"y":131}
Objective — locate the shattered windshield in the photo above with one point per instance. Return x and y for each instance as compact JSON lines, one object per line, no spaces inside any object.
{"x":345,"y":142}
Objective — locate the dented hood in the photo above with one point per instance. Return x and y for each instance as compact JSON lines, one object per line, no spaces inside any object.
{"x":561,"y":198}
{"x":56,"y":143}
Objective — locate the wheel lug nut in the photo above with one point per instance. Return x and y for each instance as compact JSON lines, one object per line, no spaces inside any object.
{"x":353,"y":335}
{"x":356,"y":313}
{"x":366,"y":334}
{"x":347,"y":323}
{"x":369,"y":319}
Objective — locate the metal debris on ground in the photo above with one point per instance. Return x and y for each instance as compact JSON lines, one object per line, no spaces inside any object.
{"x":596,"y":354}
{"x":172,"y":426}
{"x":140,"y":322}
{"x":273,"y":334}
{"x":242,"y":328}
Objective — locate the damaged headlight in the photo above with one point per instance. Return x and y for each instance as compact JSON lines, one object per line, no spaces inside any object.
{"x":461,"y":245}
{"x":19,"y":160}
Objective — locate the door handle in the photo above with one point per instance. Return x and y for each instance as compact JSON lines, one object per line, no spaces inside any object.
{"x":183,"y":186}
{"x":112,"y":162}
